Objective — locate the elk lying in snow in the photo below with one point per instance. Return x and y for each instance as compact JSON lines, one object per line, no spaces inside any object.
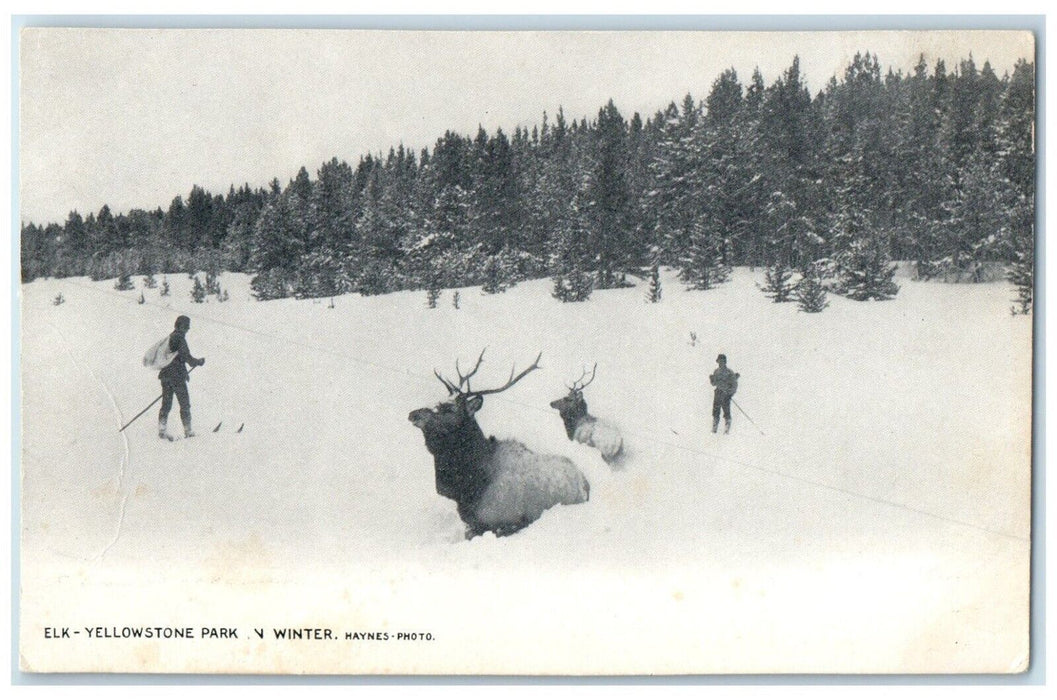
{"x":498,"y":485}
{"x":584,"y":428}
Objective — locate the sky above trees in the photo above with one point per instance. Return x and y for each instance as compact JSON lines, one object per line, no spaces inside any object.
{"x":134,"y":117}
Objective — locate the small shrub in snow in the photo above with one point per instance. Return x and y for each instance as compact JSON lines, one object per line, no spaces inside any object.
{"x":164,"y":288}
{"x":198,"y":291}
{"x":432,"y":295}
{"x":653,"y":290}
{"x":124,"y":282}
{"x":59,"y":299}
{"x":811,"y":295}
{"x":780,"y":286}
{"x":212,"y":285}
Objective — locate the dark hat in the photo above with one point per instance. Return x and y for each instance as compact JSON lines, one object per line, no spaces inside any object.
{"x":721,"y":358}
{"x":183,"y":322}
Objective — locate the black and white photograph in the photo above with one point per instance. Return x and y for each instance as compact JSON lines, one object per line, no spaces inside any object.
{"x":545,"y":352}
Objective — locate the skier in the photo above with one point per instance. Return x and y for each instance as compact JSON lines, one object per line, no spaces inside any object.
{"x":174,"y":379}
{"x":726,"y":383}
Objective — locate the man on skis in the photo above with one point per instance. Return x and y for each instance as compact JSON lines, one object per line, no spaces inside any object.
{"x":726,"y":383}
{"x":174,"y":379}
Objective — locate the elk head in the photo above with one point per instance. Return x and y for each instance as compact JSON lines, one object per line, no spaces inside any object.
{"x":451,"y":416}
{"x":575,"y":397}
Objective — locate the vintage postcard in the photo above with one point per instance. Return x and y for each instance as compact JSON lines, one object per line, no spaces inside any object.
{"x":526,"y":353}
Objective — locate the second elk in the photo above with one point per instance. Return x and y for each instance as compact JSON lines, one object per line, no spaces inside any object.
{"x":584,"y":428}
{"x":498,"y":485}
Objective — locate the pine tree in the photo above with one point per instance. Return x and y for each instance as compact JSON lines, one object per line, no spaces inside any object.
{"x":810,"y":292}
{"x":581,"y":285}
{"x":432,"y":294}
{"x":149,"y":282}
{"x":1022,"y":274}
{"x":142,"y":299}
{"x":703,"y":261}
{"x":212,"y":285}
{"x":780,"y":286}
{"x":198,"y":291}
{"x":653,"y":291}
{"x":494,"y":276}
{"x":607,"y":205}
{"x":673,"y":200}
{"x":576,"y":286}
{"x":455,"y":298}
{"x":279,"y":240}
{"x":322,"y":274}
{"x":165,"y":287}
{"x":1016,"y":145}
{"x":375,"y":278}
{"x":559,"y":291}
{"x":124,"y":282}
{"x":270,"y":284}
{"x":866,"y":272}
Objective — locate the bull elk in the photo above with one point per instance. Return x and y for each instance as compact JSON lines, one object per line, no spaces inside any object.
{"x":498,"y":485}
{"x":584,"y":428}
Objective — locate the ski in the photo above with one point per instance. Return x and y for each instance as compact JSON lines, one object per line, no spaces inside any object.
{"x":216,"y":429}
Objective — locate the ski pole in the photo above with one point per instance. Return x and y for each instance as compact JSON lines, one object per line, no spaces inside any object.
{"x":122,"y":428}
{"x":746,"y":415}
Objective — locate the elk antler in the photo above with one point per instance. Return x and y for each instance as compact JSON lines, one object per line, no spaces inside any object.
{"x":466,"y":380}
{"x":452,"y":389}
{"x":510,"y":382}
{"x":577,"y":386}
{"x":463,"y":387}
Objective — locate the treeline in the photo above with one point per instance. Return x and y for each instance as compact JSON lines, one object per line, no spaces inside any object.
{"x":935,"y":167}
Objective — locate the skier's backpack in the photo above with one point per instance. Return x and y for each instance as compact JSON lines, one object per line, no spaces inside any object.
{"x":158,"y":356}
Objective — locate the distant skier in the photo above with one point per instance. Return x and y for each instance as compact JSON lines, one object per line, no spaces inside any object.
{"x":174,"y":379}
{"x":726,"y":383}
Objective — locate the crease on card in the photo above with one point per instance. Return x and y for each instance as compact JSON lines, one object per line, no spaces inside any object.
{"x":125,"y":457}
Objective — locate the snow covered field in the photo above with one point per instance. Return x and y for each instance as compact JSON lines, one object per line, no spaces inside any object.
{"x":876,"y":520}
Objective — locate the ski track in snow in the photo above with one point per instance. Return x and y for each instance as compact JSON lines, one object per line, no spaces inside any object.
{"x":126,"y":459}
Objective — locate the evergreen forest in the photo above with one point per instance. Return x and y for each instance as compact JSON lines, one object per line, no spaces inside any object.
{"x":935,"y":167}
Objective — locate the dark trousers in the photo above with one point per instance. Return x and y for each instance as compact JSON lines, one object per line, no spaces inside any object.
{"x":178,"y":387}
{"x":721,"y":402}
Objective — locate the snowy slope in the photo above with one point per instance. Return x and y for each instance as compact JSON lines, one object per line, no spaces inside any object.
{"x":875,"y":517}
